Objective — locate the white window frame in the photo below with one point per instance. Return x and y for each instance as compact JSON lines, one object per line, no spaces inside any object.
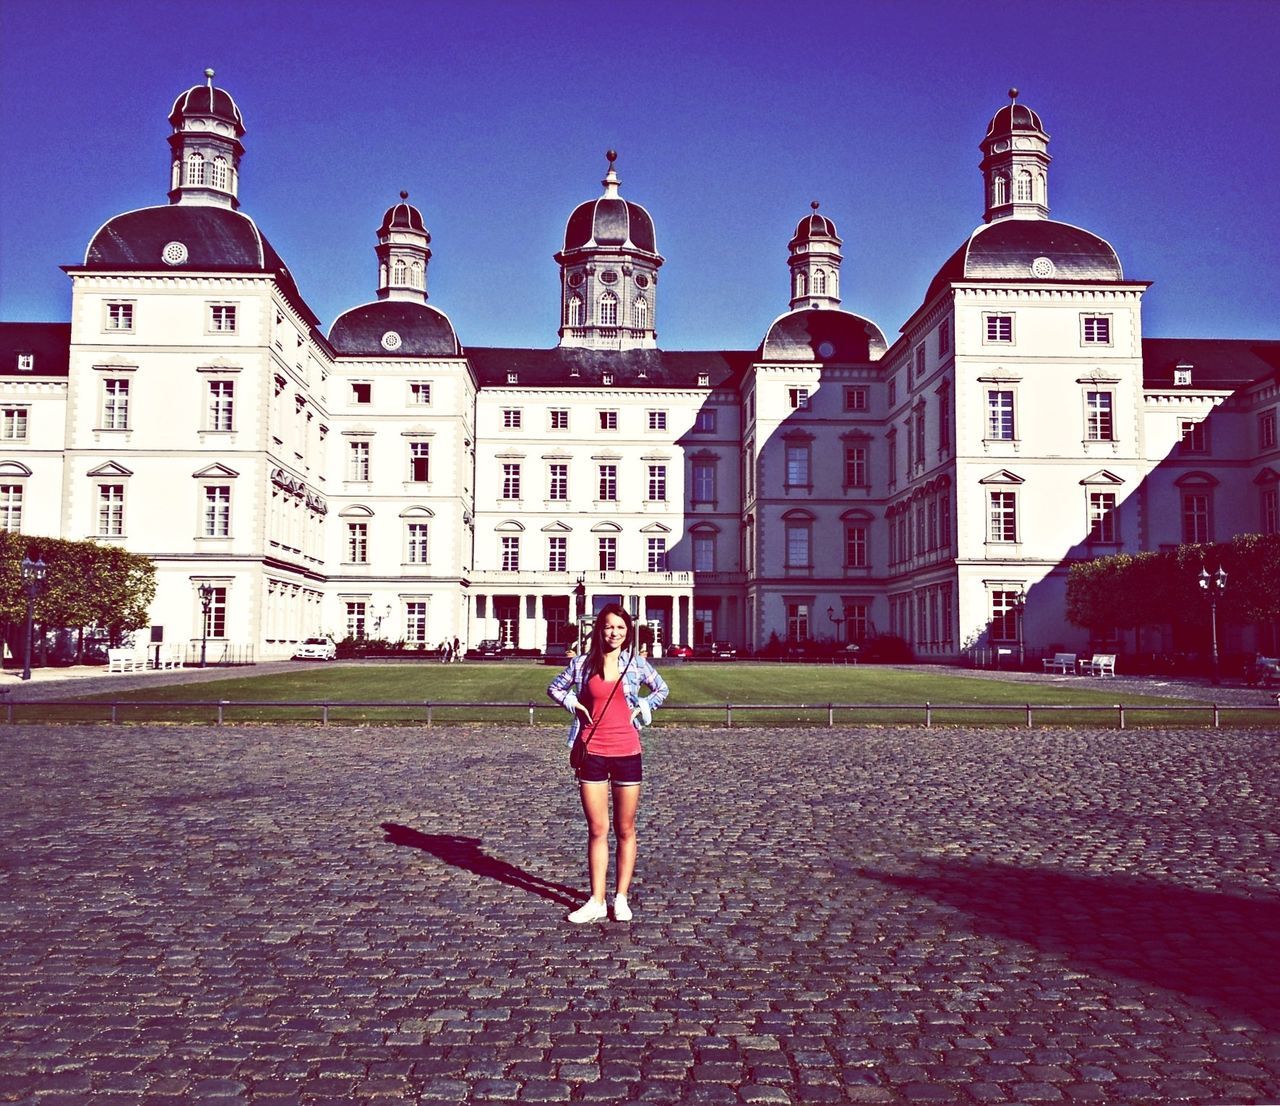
{"x":1096,"y":329}
{"x":798,"y":398}
{"x":798,"y":465}
{"x":608,"y":419}
{"x":657,"y":554}
{"x":217,"y":511}
{"x":222,"y":318}
{"x":656,"y":488}
{"x":11,"y":502}
{"x":118,"y":316}
{"x":855,"y":397}
{"x":702,"y":484}
{"x":420,"y":393}
{"x":15,"y":423}
{"x":994,"y":326}
{"x":509,"y":552}
{"x":607,"y":553}
{"x":111,"y":510}
{"x":357,"y":542}
{"x":558,"y":415}
{"x":1002,"y":516}
{"x":510,"y":480}
{"x":1102,"y":520}
{"x":419,"y":452}
{"x":116,"y":396}
{"x":996,"y":413}
{"x":608,"y":483}
{"x":557,"y":553}
{"x":221,"y":406}
{"x":359,"y":460}
{"x":557,"y":480}
{"x":417,"y":538}
{"x":657,"y":419}
{"x":1100,"y":420}
{"x":512,"y":418}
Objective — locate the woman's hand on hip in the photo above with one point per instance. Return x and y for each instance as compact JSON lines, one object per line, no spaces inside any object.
{"x":582,"y":712}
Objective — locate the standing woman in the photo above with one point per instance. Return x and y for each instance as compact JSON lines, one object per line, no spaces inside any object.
{"x":601,"y":689}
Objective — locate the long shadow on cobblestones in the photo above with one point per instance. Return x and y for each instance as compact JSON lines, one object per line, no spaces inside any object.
{"x":1211,"y":947}
{"x":466,"y":853}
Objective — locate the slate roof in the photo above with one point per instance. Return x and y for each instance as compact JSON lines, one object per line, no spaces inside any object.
{"x":50,"y":342}
{"x":585,"y":368}
{"x":1220,"y":363}
{"x":610,"y":221}
{"x":823,"y":334}
{"x":424,"y":331}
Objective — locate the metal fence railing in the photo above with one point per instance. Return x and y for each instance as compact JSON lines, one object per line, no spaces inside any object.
{"x":721,"y":714}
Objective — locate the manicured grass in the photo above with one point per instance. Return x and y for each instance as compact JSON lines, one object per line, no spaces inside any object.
{"x":799,"y":694}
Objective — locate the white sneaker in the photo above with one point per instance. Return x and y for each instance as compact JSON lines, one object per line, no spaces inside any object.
{"x":621,"y":908}
{"x":590,"y":911}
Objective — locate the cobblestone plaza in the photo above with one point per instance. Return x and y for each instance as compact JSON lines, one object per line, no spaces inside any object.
{"x":888,"y":915}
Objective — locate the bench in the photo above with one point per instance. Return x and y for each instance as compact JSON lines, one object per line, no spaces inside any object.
{"x":169,"y":656}
{"x":1061,"y":662}
{"x":126,"y":660}
{"x":1100,"y":664}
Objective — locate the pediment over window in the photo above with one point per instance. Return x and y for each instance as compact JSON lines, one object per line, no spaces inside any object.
{"x":1102,"y":476}
{"x":797,"y":436}
{"x":14,"y":468}
{"x":704,"y":455}
{"x":1267,"y":476}
{"x":417,"y":511}
{"x":217,"y":471}
{"x":557,"y":527}
{"x":798,"y":514}
{"x":655,"y":528}
{"x":857,"y":435}
{"x":1197,"y":479}
{"x":704,"y":528}
{"x":356,"y":510}
{"x":111,"y":468}
{"x":509,"y":526}
{"x":1002,"y":476}
{"x":606,"y":528}
{"x":418,"y":430}
{"x":857,"y":515}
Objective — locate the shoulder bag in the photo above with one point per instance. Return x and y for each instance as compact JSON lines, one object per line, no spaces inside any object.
{"x":578,"y":750}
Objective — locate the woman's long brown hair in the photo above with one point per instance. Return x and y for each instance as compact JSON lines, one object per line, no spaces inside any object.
{"x":595,"y":660}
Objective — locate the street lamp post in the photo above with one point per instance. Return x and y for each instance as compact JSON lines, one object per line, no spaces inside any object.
{"x":838,"y":620}
{"x":206,"y":602}
{"x":1019,"y":609}
{"x":1213,"y":586}
{"x":33,"y":573}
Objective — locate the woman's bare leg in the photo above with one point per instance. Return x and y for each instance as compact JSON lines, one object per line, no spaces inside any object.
{"x":626,"y":801}
{"x":595,"y":805}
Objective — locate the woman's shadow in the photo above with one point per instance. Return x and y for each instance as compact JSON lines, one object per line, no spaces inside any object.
{"x":466,"y":853}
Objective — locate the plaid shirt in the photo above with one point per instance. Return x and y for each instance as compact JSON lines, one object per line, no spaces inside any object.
{"x":567,"y":687}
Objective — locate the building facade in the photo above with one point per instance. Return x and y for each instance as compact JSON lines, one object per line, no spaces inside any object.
{"x":385,"y":480}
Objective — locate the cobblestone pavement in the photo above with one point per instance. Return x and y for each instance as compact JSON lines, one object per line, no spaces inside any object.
{"x":876,"y":915}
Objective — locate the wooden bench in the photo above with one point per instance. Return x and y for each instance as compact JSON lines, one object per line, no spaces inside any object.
{"x":126,"y":660}
{"x":1061,"y":662}
{"x":1100,"y":664}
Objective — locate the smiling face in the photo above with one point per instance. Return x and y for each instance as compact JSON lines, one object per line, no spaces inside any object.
{"x":613,"y":631}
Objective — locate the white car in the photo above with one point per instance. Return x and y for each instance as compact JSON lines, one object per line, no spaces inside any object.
{"x":316,"y":649}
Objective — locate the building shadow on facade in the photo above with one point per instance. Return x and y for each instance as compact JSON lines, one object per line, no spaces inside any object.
{"x":1214,"y":948}
{"x":466,"y":853}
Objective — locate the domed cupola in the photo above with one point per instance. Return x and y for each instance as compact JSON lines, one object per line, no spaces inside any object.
{"x":1015,"y":164}
{"x":206,"y":147}
{"x":609,"y":273}
{"x":403,"y":253}
{"x":815,"y":262}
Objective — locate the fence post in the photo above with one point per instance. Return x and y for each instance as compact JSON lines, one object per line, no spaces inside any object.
{"x":1028,"y":716}
{"x":324,"y":714}
{"x":428,"y":706}
{"x":1216,"y":716}
{"x":728,"y":715}
{"x":530,"y":712}
{"x":221,"y":704}
{"x":928,"y":715}
{"x":1120,"y":709}
{"x":831,"y":714}
{"x":8,"y":709}
{"x":113,"y":713}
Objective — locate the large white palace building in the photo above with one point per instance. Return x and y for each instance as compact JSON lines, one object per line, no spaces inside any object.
{"x":383,"y":479}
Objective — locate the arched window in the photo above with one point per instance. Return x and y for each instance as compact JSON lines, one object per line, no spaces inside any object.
{"x":176,"y":176}
{"x":802,"y":285}
{"x":398,"y":271}
{"x":999,"y":190}
{"x":1023,"y":193}
{"x":218,"y":176}
{"x":819,"y":282}
{"x":640,"y":313}
{"x":608,"y":309}
{"x":1040,"y":189}
{"x":415,"y":274}
{"x":195,"y":168}
{"x":573,"y":316}
{"x":382,"y":275}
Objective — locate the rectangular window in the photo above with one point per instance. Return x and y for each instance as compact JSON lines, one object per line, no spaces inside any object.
{"x":855,"y":399}
{"x":704,"y":482}
{"x":607,"y":552}
{"x":356,"y":615}
{"x":944,"y":337}
{"x":1102,"y":516}
{"x":798,"y":398}
{"x":857,"y":622}
{"x":13,"y":424}
{"x":798,"y":545}
{"x":608,"y":420}
{"x":11,"y":507}
{"x":855,"y":546}
{"x":511,"y":418}
{"x":855,"y":466}
{"x":657,"y":484}
{"x":891,"y":441}
{"x":1100,"y":426}
{"x":115,"y":404}
{"x":704,"y":553}
{"x":557,"y":554}
{"x":119,"y":316}
{"x":419,"y":393}
{"x":420,"y":461}
{"x":221,"y":405}
{"x":920,"y":361}
{"x":1195,"y":518}
{"x":917,"y":445}
{"x":417,"y":539}
{"x":657,"y":420}
{"x":893,"y":392}
{"x":657,"y":555}
{"x":510,"y":481}
{"x":1005,"y":612}
{"x":357,"y":543}
{"x":217,"y":511}
{"x":1003,"y":517}
{"x":361,"y":391}
{"x":1267,"y":430}
{"x":705,"y":421}
{"x":999,"y":328}
{"x":358,"y":461}
{"x":797,"y":466}
{"x":1195,"y":437}
{"x":797,"y":621}
{"x":216,"y":624}
{"x":609,"y":483}
{"x":704,"y":625}
{"x":944,"y":418}
{"x":110,"y":510}
{"x":510,"y":553}
{"x":415,"y":622}
{"x":1270,"y":510}
{"x":558,"y":487}
{"x":1096,"y":329}
{"x":999,"y":415}
{"x":222,"y":318}
{"x":559,"y":418}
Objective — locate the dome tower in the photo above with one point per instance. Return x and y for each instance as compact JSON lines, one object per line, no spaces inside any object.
{"x":815,"y":262}
{"x":1015,"y":164}
{"x":403,"y":253}
{"x":206,"y":147}
{"x":609,"y":273}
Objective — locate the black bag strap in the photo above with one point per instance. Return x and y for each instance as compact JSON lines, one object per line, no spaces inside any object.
{"x":621,"y":676}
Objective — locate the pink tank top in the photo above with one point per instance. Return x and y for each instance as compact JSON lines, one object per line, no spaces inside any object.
{"x":615,"y":736}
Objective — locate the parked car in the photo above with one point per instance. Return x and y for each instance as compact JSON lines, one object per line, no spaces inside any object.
{"x":316,"y":649}
{"x":489,"y":649}
{"x":683,"y":652}
{"x":723,"y":651}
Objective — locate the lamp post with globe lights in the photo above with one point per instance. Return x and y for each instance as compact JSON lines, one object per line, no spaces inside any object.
{"x":33,"y":574}
{"x":1214,"y":586}
{"x":206,"y":602}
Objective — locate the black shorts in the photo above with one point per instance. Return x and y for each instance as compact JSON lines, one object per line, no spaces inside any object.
{"x":619,"y":771}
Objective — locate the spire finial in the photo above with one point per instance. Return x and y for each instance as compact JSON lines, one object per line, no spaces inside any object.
{"x":1013,"y":94}
{"x":814,"y":204}
{"x":403,"y":194}
{"x":612,"y":156}
{"x":610,"y":181}
{"x":208,"y":77}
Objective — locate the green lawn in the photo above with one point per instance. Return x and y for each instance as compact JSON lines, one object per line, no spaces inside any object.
{"x":799,"y":694}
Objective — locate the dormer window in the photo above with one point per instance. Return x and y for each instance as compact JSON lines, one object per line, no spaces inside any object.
{"x":607,"y":378}
{"x":26,"y":362}
{"x":513,"y":378}
{"x":1182,"y":373}
{"x":704,"y":380}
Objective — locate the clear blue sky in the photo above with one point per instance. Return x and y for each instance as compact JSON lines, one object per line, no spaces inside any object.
{"x":729,"y":119}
